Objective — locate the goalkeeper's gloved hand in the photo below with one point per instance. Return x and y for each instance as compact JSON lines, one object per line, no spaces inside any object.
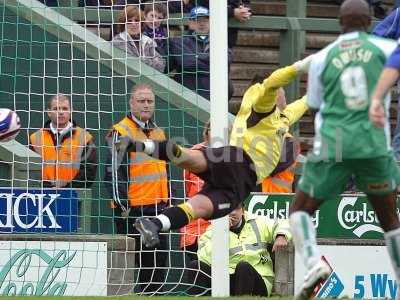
{"x":304,"y":64}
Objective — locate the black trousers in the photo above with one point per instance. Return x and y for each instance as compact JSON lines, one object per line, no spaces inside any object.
{"x":245,"y":280}
{"x":151,"y":262}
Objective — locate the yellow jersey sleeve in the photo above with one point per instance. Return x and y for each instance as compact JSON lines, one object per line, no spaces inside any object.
{"x":295,"y":110}
{"x":264,"y":95}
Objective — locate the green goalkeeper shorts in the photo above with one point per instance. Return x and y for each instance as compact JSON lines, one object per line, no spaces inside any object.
{"x":323,"y":180}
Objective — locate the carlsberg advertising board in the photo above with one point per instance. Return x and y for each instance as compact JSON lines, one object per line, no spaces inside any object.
{"x":348,"y":216}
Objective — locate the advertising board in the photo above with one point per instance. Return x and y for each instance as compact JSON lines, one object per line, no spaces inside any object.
{"x":38,"y":210}
{"x":360,"y":272}
{"x":53,"y":268}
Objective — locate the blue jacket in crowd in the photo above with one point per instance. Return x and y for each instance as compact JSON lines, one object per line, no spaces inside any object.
{"x":390,"y":26}
{"x":189,"y":55}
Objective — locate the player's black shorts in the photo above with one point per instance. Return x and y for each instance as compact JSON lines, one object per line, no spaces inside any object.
{"x":229,"y":179}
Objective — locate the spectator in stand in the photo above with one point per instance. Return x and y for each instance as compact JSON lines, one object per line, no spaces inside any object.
{"x":174,"y":6}
{"x":129,"y":38}
{"x":153,"y":15}
{"x":238,"y":9}
{"x":138,"y":185}
{"x":68,"y":151}
{"x":250,"y":264}
{"x":180,"y":6}
{"x":189,"y":54}
{"x":241,"y":11}
{"x":193,"y":184}
{"x":390,"y":28}
{"x":50,"y":2}
{"x":97,"y":3}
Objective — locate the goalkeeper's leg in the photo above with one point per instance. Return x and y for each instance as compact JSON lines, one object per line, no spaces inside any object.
{"x":192,"y":160}
{"x":229,"y":180}
{"x":209,"y":203}
{"x":175,"y":217}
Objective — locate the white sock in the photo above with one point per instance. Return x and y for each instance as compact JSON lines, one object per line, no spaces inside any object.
{"x":393,"y":245}
{"x":149,"y":147}
{"x":166,"y":223}
{"x":304,"y":238}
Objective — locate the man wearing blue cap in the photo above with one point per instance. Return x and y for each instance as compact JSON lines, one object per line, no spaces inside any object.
{"x":190,"y":54}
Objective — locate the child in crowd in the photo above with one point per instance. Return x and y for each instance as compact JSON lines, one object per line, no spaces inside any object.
{"x":153,"y":15}
{"x":129,"y":37}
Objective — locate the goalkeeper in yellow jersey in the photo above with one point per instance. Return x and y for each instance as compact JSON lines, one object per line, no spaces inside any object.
{"x":231,"y":172}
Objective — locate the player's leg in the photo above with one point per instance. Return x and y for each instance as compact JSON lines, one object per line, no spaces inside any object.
{"x":174,"y":217}
{"x":379,"y":178}
{"x":305,"y":242}
{"x":385,"y":208}
{"x":228,"y":183}
{"x":320,"y":180}
{"x":192,"y":160}
{"x":210,"y":203}
{"x":304,"y":234}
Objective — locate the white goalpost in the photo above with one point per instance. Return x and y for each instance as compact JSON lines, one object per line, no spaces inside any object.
{"x":219,"y":129}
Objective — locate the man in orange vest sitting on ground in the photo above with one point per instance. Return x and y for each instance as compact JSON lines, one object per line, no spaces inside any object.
{"x":68,"y":151}
{"x":193,"y":184}
{"x":138,"y":185}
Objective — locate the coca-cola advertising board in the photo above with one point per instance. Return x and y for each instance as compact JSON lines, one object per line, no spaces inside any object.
{"x":41,"y":268}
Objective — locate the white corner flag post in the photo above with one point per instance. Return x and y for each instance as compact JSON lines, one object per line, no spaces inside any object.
{"x":219,"y":136}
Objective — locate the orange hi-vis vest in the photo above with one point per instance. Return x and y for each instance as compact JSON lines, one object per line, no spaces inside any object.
{"x":147,"y":176}
{"x":281,"y":182}
{"x":61,"y":163}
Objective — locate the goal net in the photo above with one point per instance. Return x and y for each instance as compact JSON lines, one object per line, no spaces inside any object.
{"x":61,"y":236}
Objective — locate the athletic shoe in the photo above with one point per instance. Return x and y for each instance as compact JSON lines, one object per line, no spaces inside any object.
{"x":316,"y":275}
{"x":149,"y":232}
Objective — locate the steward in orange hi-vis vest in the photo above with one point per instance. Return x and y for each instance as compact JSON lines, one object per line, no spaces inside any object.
{"x":69,"y":156}
{"x":282,"y":178}
{"x":143,"y":181}
{"x":137,"y":186}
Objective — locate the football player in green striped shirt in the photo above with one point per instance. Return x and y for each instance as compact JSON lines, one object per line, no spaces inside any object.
{"x":341,"y":80}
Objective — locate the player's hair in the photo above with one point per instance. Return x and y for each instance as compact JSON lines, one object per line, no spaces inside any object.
{"x":257,"y":78}
{"x":354,"y":15}
{"x":59,"y":97}
{"x":130,"y":11}
{"x":158,"y":7}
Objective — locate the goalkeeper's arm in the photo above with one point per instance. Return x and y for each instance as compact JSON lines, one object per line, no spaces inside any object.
{"x":264,"y":95}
